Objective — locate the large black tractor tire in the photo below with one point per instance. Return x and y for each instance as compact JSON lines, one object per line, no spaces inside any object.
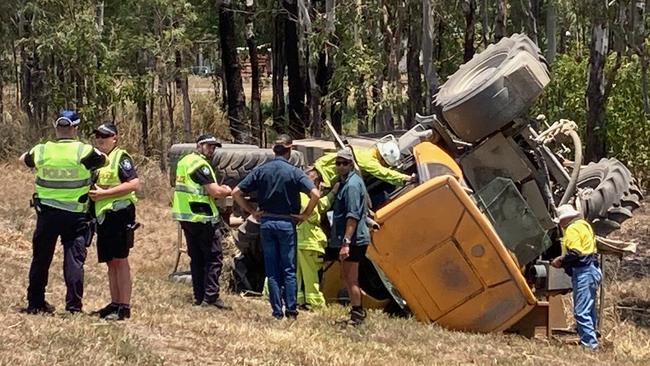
{"x":231,"y":162}
{"x":233,"y":165}
{"x":609,"y":195}
{"x":493,"y":88}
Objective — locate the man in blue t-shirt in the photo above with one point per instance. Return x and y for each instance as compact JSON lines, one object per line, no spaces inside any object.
{"x":350,"y":235}
{"x":278,"y":185}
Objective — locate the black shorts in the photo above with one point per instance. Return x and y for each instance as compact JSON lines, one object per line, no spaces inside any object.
{"x":114,"y":235}
{"x":357,"y":253}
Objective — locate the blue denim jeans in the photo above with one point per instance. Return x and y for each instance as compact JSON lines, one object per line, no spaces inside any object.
{"x":585,"y":282}
{"x":278,"y":238}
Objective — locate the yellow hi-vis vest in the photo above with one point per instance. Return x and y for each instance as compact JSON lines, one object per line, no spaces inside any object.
{"x":108,"y":177}
{"x":61,"y":179}
{"x":368,"y":160}
{"x":187,"y":191}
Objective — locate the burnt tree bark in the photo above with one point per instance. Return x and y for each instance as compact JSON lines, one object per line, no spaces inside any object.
{"x":414,"y":70}
{"x":430,"y":74}
{"x":551,"y":26}
{"x":182,"y":84}
{"x":531,"y":19}
{"x":469,"y":10}
{"x":256,"y":99}
{"x":239,"y":129}
{"x":485,"y":23}
{"x":315,"y":92}
{"x":596,"y":131}
{"x":501,"y":20}
{"x":279,"y":63}
{"x":295,"y":80}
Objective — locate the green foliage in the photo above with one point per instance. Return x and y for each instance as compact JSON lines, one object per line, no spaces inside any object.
{"x":628,"y":130}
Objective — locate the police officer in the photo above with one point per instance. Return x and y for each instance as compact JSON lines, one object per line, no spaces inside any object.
{"x":195,"y":208}
{"x":63,"y":178}
{"x":114,"y":209}
{"x":278,"y":185}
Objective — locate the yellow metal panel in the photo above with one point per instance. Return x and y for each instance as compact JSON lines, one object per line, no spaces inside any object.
{"x":444,"y":270}
{"x":426,"y":152}
{"x":447,"y":262}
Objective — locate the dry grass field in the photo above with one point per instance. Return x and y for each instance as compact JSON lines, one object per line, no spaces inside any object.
{"x":167,"y":329}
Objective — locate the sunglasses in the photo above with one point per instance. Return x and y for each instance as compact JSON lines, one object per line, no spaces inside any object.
{"x":343,"y":163}
{"x":102,"y":136}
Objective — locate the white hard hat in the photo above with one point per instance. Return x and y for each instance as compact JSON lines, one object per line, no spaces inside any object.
{"x":566,"y":212}
{"x":389,"y":151}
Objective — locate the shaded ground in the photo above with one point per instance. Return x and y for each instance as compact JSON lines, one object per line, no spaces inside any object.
{"x":167,"y":329}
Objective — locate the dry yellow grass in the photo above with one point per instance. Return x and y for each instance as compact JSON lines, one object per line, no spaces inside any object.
{"x":167,"y":329}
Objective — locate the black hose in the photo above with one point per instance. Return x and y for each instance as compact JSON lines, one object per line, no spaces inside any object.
{"x":577,"y":163}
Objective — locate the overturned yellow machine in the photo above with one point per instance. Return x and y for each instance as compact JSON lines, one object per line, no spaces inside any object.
{"x":468,"y":246}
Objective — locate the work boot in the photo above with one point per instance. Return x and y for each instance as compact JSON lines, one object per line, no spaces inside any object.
{"x":46,"y":308}
{"x":357,"y":316}
{"x":291,"y":314}
{"x":122,"y":312}
{"x":220,"y":304}
{"x":106,"y":310}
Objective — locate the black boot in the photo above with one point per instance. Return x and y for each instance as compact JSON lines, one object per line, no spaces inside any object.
{"x":122,"y":312}
{"x":45,"y":308}
{"x":106,"y":310}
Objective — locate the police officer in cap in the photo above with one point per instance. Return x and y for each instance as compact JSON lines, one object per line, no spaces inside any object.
{"x":114,"y":208}
{"x":63,"y":178}
{"x":195,"y":208}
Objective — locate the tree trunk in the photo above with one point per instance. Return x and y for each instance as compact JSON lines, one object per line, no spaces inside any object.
{"x":551,"y":22}
{"x":596,"y":143}
{"x":361,"y":105}
{"x":16,"y":69}
{"x":182,"y":83}
{"x":162,"y":97}
{"x":531,"y":20}
{"x":469,"y":9}
{"x":257,"y":127}
{"x":430,"y":74}
{"x":295,"y":81}
{"x":2,"y":90}
{"x":169,"y":101}
{"x":144,"y":123}
{"x":312,"y":70}
{"x":279,"y":62}
{"x":414,"y":70}
{"x":485,"y":23}
{"x":640,"y":34}
{"x":236,"y":102}
{"x":501,"y":20}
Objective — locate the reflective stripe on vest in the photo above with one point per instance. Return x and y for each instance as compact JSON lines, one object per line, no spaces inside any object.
{"x":108,"y":177}
{"x":61,"y":180}
{"x":188,"y":192}
{"x":188,"y":189}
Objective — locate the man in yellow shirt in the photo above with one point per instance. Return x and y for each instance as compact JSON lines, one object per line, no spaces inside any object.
{"x":579,"y":260}
{"x":378,"y":161}
{"x":311,"y":247}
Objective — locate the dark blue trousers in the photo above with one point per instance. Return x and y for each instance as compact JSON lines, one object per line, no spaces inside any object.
{"x":278,"y":237}
{"x":72,"y":227}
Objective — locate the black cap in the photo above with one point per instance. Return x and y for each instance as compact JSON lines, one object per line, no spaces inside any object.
{"x":209,"y":139}
{"x":106,"y":128}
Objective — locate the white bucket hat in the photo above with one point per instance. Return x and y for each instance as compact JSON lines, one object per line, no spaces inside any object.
{"x":566,"y":212}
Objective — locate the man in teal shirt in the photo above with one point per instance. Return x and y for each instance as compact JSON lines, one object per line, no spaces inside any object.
{"x":350,"y":235}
